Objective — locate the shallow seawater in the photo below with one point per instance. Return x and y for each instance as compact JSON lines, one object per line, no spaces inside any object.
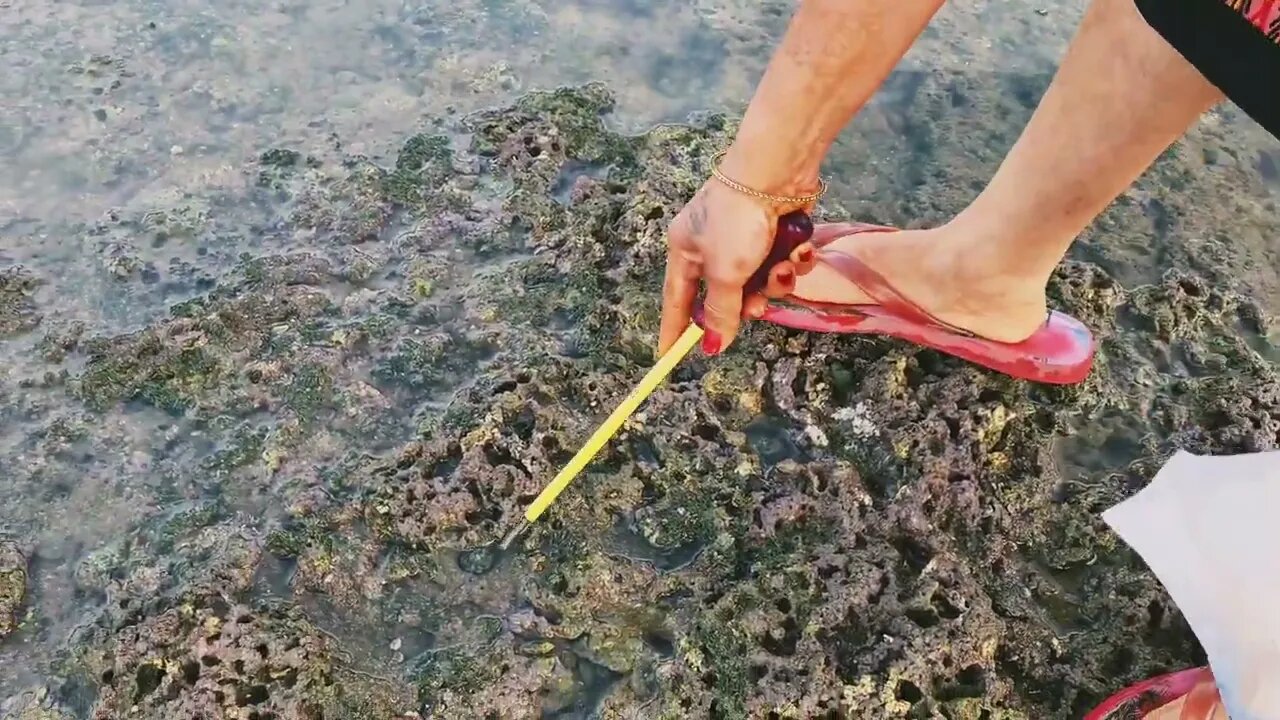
{"x":628,"y":540}
{"x":127,"y":133}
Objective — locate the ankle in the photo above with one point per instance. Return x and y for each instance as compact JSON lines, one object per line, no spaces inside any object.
{"x":997,"y":262}
{"x":981,"y":281}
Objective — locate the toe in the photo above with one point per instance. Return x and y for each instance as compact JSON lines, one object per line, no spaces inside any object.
{"x":825,"y":284}
{"x":782,"y":280}
{"x":754,"y":306}
{"x":804,"y":257}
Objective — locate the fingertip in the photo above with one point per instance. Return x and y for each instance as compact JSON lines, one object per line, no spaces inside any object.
{"x":673,"y":324}
{"x":712,"y":343}
{"x":717,"y":340}
{"x":719,"y":333}
{"x":723,"y":311}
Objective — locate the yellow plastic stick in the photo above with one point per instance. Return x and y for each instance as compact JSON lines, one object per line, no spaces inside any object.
{"x":614,"y":422}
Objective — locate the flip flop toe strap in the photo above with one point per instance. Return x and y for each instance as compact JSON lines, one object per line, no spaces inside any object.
{"x":885,"y":295}
{"x":826,"y":234}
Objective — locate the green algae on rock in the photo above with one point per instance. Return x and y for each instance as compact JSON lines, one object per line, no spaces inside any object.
{"x":13,"y":586}
{"x":810,"y":527}
{"x":17,"y":310}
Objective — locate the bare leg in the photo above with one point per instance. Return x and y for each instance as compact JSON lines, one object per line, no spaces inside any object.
{"x":1121,"y":96}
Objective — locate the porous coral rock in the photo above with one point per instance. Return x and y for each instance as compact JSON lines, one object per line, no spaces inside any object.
{"x":807,"y":527}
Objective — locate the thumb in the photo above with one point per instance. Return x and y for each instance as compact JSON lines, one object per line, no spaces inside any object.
{"x":723,"y":315}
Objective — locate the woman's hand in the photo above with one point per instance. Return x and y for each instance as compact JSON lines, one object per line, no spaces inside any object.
{"x":832,"y":58}
{"x":721,"y":237}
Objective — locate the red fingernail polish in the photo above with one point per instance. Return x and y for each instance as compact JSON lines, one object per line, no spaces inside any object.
{"x":711,"y":343}
{"x":785,"y":278}
{"x":806,"y":256}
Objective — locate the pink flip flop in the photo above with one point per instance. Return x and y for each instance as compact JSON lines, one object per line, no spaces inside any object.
{"x":1151,"y":695}
{"x":1060,"y":352}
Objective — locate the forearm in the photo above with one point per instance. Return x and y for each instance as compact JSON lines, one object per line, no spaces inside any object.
{"x":832,"y":59}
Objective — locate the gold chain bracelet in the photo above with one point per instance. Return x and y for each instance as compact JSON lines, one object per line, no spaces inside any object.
{"x":779,"y":199}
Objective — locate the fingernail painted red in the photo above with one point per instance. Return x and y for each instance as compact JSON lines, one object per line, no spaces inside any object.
{"x":711,"y":343}
{"x":786,"y":278}
{"x":806,"y":256}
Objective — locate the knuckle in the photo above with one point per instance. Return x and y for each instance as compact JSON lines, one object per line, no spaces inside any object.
{"x":723,"y":317}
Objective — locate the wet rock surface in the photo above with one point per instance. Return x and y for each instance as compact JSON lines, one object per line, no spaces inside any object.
{"x":808,"y":527}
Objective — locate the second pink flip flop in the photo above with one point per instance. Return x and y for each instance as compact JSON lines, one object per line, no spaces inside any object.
{"x":1146,"y":697}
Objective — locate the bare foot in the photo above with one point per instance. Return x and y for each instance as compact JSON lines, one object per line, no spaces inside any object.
{"x":941,"y":274}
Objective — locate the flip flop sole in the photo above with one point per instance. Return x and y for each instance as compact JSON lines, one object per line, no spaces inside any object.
{"x":1061,"y":352}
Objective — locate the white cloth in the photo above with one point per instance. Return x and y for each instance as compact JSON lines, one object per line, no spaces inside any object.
{"x":1209,"y":528}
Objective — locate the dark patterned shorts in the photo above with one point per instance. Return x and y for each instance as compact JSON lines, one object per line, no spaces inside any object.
{"x":1234,"y":43}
